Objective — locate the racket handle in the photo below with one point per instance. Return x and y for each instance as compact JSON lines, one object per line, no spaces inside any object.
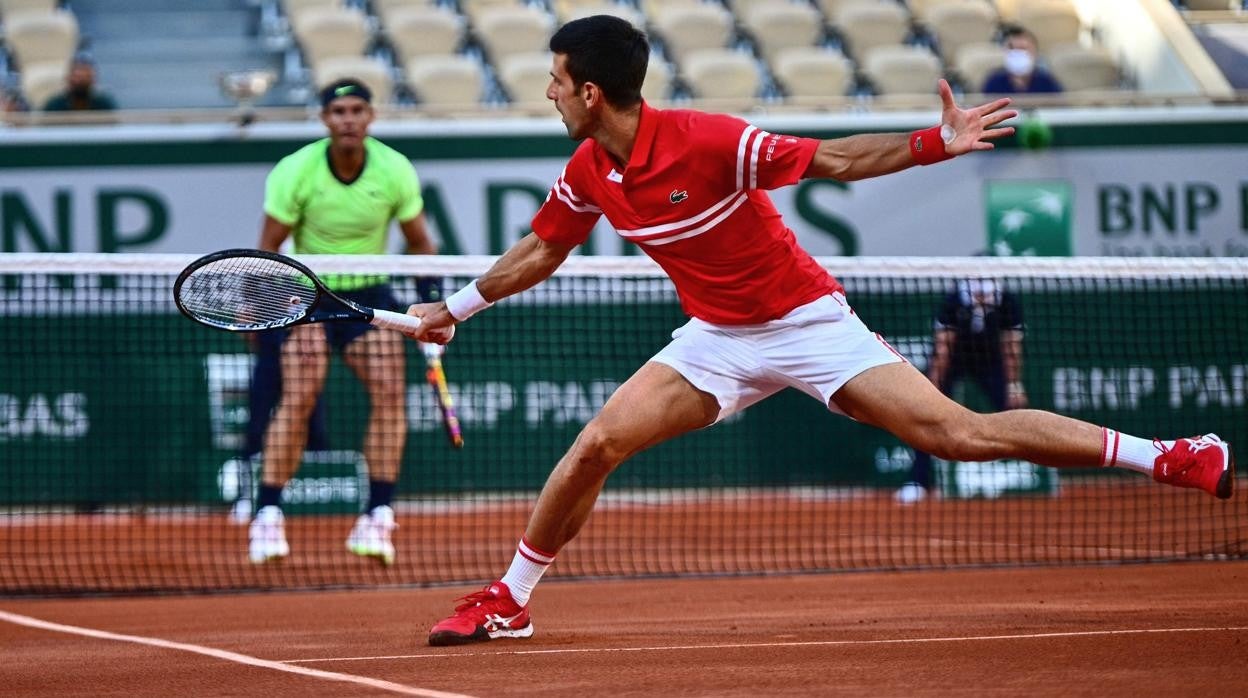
{"x":390,"y":320}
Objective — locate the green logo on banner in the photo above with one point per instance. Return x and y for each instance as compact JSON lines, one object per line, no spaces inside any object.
{"x":1029,"y":218}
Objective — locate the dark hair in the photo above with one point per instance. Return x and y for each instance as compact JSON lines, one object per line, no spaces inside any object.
{"x":1010,"y":31}
{"x":346,"y":87}
{"x":607,"y":51}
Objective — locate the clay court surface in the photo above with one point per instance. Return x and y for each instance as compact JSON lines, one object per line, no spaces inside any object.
{"x":1161,"y":629}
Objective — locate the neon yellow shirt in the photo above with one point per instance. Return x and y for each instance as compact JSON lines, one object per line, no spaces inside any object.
{"x":328,"y":216}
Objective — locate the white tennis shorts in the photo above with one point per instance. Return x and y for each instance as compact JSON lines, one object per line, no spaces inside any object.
{"x":816,"y":348}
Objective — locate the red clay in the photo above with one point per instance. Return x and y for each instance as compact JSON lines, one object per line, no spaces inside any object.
{"x":724,"y":637}
{"x":1126,"y":519}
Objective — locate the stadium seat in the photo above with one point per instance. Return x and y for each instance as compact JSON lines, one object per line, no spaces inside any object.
{"x":39,"y":81}
{"x":922,"y":9}
{"x":473,"y":8}
{"x":658,"y":84}
{"x":506,"y":31}
{"x":976,"y":62}
{"x":1054,"y":22}
{"x":1007,"y":10}
{"x":372,"y":72}
{"x":294,"y":8}
{"x":385,"y":9}
{"x":741,"y":8}
{"x":575,"y":9}
{"x":39,"y":37}
{"x":419,"y":30}
{"x":446,"y":80}
{"x":686,"y":27}
{"x":723,"y":75}
{"x":957,"y":24}
{"x":779,"y":24}
{"x":526,"y":76}
{"x":11,"y":7}
{"x":328,"y":32}
{"x":830,"y":8}
{"x":867,"y":25}
{"x":895,"y":70}
{"x":807,"y":72}
{"x":1080,"y":68}
{"x":651,"y":8}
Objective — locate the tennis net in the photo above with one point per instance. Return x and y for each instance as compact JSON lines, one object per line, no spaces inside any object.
{"x":127,"y":464}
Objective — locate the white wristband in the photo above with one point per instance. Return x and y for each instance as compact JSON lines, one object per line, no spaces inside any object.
{"x":466,"y":302}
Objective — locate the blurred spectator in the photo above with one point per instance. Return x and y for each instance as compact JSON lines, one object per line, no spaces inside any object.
{"x":80,"y":92}
{"x":1021,"y":73}
{"x":12,"y":101}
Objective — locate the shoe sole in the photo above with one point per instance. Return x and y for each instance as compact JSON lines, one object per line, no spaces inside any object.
{"x":385,"y":560}
{"x":446,"y":638}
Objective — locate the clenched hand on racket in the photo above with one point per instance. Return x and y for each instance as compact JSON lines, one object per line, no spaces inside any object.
{"x":437,"y":325}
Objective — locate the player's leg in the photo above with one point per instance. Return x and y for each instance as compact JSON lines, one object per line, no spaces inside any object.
{"x":266,"y":391}
{"x":921,"y":469}
{"x":897,"y":398}
{"x":656,"y":404}
{"x":377,"y":359}
{"x":305,"y":359}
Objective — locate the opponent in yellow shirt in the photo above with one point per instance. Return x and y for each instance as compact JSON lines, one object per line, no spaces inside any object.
{"x":338,"y":196}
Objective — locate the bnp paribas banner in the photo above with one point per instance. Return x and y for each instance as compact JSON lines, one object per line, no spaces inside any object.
{"x":1118,"y":183}
{"x":123,"y":401}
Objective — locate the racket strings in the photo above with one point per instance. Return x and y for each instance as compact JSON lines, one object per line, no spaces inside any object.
{"x":247,"y":291}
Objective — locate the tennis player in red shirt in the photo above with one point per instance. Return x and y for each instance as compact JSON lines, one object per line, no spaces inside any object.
{"x":689,"y":188}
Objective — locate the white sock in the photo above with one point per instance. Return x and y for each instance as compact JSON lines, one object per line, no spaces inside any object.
{"x":526,"y":570}
{"x":1131,"y":452}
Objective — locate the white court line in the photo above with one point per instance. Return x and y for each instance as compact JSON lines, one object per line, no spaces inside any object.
{"x":228,"y":656}
{"x":810,"y":643}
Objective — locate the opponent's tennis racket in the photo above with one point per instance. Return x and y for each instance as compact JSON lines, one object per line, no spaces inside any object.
{"x":437,"y":378}
{"x":245,"y":290}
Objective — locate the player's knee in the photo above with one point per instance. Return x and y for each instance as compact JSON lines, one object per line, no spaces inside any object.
{"x":298,"y":403}
{"x":386,"y":393}
{"x":597,"y":450}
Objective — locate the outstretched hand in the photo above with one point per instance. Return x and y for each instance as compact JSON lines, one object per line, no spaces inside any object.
{"x":965,"y":130}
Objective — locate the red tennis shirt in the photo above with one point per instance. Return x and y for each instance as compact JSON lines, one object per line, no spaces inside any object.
{"x":693,"y":198}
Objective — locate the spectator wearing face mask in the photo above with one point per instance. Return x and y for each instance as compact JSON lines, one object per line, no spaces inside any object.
{"x":1021,"y":74}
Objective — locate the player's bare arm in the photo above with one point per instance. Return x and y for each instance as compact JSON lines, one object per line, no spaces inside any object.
{"x":529,"y":262}
{"x":273,"y":233}
{"x":870,"y":155}
{"x":416,"y":232}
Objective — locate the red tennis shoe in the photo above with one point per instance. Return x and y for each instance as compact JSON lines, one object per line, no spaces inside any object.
{"x":484,"y":615}
{"x":1203,"y":462}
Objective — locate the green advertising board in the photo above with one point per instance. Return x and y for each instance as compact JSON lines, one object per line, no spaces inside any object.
{"x":119,"y":407}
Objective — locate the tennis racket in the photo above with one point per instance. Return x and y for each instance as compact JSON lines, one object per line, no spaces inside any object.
{"x":243,"y":290}
{"x":437,"y":378}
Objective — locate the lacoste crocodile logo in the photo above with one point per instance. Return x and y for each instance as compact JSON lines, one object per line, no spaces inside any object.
{"x":678,"y":196}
